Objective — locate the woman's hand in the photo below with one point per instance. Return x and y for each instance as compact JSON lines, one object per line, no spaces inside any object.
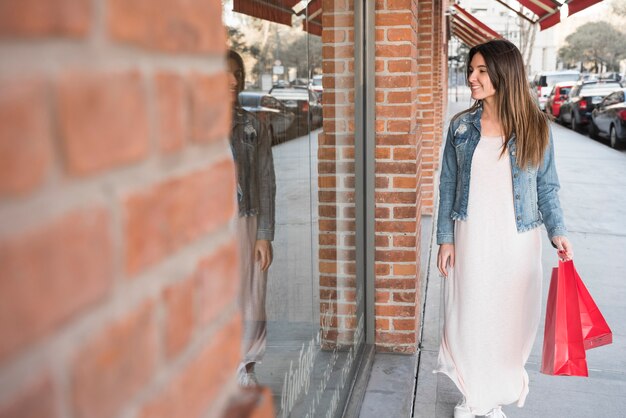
{"x":564,"y":247}
{"x":445,"y":257}
{"x":263,"y":253}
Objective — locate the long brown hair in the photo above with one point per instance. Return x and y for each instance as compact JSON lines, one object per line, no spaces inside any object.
{"x":518,"y":111}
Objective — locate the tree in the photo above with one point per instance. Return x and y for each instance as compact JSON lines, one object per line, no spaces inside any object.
{"x":594,"y":43}
{"x":619,"y":7}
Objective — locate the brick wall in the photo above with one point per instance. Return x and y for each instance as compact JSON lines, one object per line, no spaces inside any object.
{"x":398,"y":175}
{"x":336,"y":181}
{"x":119,"y":282}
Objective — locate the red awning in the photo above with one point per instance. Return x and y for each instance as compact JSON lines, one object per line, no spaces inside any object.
{"x":575,"y":6}
{"x":548,"y":12}
{"x":470,"y":30}
{"x":282,"y":11}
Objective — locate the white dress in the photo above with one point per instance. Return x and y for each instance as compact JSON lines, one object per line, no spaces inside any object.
{"x":492,"y":296}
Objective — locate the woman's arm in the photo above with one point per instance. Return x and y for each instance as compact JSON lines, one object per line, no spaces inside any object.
{"x":447,"y":191}
{"x":547,"y":194}
{"x":267,"y":185}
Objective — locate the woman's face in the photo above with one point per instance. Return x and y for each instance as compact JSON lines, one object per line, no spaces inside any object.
{"x":479,"y":81}
{"x":234,"y":73}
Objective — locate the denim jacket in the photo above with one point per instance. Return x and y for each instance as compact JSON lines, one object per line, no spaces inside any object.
{"x":256,"y":182}
{"x":535,"y":189}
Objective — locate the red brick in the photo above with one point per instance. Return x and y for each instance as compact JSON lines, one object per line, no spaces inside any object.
{"x":399,"y":66}
{"x":396,"y":168}
{"x":395,"y":338}
{"x":395,"y":197}
{"x":37,"y":400}
{"x":382,"y":296}
{"x":396,"y":81}
{"x":404,"y":324}
{"x":404,"y":297}
{"x":405,"y":183}
{"x":171,"y":26}
{"x":397,"y":97}
{"x":395,"y":310}
{"x":171,"y":214}
{"x":398,"y":111}
{"x":171,"y":111}
{"x":382,"y":324}
{"x":395,"y":283}
{"x":399,"y":4}
{"x":179,"y":315}
{"x":404,"y":212}
{"x":396,"y":255}
{"x":25,"y":139}
{"x":395,"y":226}
{"x":404,"y":241}
{"x":382,"y":269}
{"x":103,"y":120}
{"x":217,"y":282}
{"x":115,"y":364}
{"x":400,"y":34}
{"x":38,"y":18}
{"x":210,"y":109}
{"x":394,"y":19}
{"x":404,"y":269}
{"x":52,"y":273}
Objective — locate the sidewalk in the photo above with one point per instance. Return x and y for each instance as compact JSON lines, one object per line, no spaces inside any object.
{"x":593,"y":185}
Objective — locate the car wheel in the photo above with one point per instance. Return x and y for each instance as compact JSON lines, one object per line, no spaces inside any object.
{"x":573,"y":123}
{"x":613,"y":137}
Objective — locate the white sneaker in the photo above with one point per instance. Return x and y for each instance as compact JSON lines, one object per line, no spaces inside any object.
{"x":246,"y":379}
{"x":496,"y":413}
{"x":461,"y":410}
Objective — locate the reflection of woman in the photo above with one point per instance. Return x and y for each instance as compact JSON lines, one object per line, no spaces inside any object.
{"x":488,"y":232}
{"x":256,"y":191}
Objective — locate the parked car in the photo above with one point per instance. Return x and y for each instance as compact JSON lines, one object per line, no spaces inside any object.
{"x":271,"y":111}
{"x":583,"y":98}
{"x":557,"y":96}
{"x":304,"y":104}
{"x":608,"y":119}
{"x":544,"y":81}
{"x":316,"y":83}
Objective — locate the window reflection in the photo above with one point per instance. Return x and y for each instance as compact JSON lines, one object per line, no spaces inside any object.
{"x":312,"y":322}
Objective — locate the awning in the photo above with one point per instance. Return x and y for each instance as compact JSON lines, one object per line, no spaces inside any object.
{"x":470,"y":30}
{"x":575,"y":6}
{"x":282,"y":11}
{"x":548,"y":12}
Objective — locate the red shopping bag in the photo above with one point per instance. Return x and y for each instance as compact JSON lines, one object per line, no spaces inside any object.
{"x":596,"y":331}
{"x":563,"y":346}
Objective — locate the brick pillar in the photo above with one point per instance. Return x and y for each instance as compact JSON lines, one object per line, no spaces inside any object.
{"x":440,"y":71}
{"x":119,"y":277}
{"x":398,"y":175}
{"x":427,"y":103}
{"x":338,"y":291}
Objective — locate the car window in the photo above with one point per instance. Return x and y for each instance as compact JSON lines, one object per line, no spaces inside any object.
{"x":574,"y":91}
{"x":613,"y":98}
{"x":565,"y":90}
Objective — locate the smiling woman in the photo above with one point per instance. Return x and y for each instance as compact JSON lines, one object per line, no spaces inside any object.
{"x":498,"y":184}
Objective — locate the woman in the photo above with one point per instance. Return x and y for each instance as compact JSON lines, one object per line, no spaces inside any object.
{"x":498,"y":185}
{"x":256,"y":192}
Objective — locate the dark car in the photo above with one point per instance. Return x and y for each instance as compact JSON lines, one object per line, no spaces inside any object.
{"x":304,"y":104}
{"x":608,"y":119}
{"x":583,"y":98}
{"x":271,"y":111}
{"x":559,"y":93}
